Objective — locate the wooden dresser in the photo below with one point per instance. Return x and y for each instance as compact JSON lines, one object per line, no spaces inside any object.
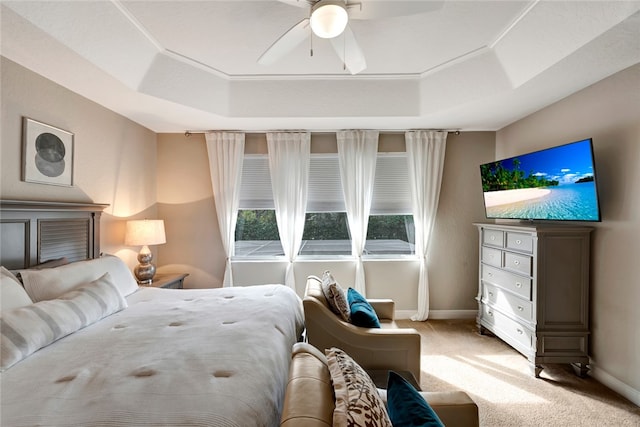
{"x":534,"y":291}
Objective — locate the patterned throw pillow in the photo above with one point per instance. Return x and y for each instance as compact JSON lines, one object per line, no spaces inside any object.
{"x":335,"y":296}
{"x":357,"y":400}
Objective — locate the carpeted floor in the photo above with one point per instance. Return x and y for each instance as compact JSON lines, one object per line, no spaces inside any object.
{"x":498,"y":379}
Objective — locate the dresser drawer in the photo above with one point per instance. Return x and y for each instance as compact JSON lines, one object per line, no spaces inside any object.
{"x":487,"y":314}
{"x":514,"y":330}
{"x":493,"y":238}
{"x":519,"y":263}
{"x":512,"y":282}
{"x":520,"y":242}
{"x":507,"y":302}
{"x":492,"y":256}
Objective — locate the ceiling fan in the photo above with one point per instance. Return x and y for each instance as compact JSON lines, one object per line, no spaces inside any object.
{"x":329,"y":19}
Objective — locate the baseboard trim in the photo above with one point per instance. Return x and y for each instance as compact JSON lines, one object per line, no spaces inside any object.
{"x":439,"y":314}
{"x":614,"y":384}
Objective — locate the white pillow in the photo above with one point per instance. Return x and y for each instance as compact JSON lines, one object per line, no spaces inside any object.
{"x":52,"y":282}
{"x":12,"y":294}
{"x":27,"y":329}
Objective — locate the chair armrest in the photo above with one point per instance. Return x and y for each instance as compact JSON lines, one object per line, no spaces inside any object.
{"x":385,"y":308}
{"x":454,"y":408}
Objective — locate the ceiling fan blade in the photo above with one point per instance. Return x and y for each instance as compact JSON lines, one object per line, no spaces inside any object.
{"x":299,"y":3}
{"x":371,"y":9}
{"x":348,"y":50}
{"x":286,"y":43}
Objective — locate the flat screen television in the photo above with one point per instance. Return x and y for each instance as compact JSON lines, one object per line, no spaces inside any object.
{"x":555,"y":184}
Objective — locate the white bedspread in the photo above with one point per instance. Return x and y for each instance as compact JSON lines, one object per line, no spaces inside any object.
{"x":217,"y":357}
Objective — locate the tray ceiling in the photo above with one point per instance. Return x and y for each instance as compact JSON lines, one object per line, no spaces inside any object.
{"x":178,"y":65}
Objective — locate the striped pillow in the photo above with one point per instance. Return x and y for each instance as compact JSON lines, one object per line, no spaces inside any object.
{"x":28,"y":329}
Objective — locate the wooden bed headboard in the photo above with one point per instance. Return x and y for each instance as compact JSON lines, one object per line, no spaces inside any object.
{"x":33,"y":232}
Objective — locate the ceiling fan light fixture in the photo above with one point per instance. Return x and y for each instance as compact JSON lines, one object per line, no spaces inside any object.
{"x":328,"y":18}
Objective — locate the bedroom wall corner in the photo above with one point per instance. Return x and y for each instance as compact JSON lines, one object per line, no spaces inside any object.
{"x":185,"y":202}
{"x":107,"y":153}
{"x":609,"y":112}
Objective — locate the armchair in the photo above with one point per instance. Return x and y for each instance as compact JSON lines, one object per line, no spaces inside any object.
{"x":387,"y":348}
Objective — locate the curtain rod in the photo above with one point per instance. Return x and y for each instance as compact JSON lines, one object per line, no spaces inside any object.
{"x":188,"y":133}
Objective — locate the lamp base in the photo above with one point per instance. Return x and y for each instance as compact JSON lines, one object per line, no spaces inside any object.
{"x":145,"y":271}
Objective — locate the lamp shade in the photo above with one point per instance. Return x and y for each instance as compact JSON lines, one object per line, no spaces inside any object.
{"x":328,"y":19}
{"x":145,"y":232}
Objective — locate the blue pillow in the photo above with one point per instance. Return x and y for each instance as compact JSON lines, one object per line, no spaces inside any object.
{"x":362,"y":314}
{"x":407,"y":407}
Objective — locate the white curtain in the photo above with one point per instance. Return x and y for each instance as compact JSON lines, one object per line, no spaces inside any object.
{"x":425,"y":155}
{"x":357,"y":153}
{"x":289,"y":168}
{"x":226,"y":152}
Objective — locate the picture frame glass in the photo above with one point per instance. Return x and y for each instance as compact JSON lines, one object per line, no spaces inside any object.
{"x":47,"y":154}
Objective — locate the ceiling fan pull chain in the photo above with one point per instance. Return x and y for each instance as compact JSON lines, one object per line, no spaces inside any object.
{"x":311,"y":44}
{"x":310,"y":37}
{"x":344,"y":52}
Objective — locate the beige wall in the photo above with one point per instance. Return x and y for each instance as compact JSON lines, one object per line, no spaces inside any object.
{"x":109,"y":168}
{"x":108,"y":153}
{"x":186,"y":203}
{"x":609,"y":112}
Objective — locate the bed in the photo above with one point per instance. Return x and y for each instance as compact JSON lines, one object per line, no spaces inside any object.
{"x":140,"y":356}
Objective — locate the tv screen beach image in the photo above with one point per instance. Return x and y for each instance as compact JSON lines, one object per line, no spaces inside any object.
{"x":553,"y":184}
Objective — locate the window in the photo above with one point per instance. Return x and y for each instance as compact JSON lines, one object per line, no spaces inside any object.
{"x":326,"y":232}
{"x":256,"y":229}
{"x":391,"y":230}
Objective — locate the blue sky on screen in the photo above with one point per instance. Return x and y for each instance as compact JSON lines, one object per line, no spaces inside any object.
{"x":566,"y":163}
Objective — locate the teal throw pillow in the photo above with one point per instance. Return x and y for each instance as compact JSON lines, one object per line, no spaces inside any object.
{"x":362,"y":314}
{"x":407,"y":407}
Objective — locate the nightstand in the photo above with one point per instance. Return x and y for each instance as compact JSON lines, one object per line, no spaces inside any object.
{"x":168,"y":280}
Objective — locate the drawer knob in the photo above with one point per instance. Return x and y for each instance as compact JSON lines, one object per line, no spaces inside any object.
{"x":490,"y":313}
{"x":520,"y":331}
{"x":520,"y":308}
{"x":518,"y":285}
{"x":492,"y":238}
{"x":490,"y":294}
{"x":516,"y":262}
{"x":490,"y":274}
{"x":518,"y":242}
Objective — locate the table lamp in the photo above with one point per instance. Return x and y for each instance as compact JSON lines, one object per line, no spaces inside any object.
{"x":144,"y":233}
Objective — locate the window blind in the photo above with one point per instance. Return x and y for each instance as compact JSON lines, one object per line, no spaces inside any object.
{"x":391,"y":194}
{"x":325,"y":185}
{"x":255,"y":184}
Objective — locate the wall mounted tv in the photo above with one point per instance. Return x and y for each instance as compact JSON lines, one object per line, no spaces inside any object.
{"x":556,"y":184}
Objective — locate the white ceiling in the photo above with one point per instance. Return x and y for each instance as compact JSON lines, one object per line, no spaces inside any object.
{"x":177,"y":65}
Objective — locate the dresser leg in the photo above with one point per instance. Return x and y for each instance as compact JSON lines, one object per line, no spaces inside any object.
{"x":535,"y":370}
{"x":484,"y":331}
{"x":580,"y":369}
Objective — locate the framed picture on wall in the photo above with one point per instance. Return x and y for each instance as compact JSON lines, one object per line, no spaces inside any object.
{"x":47,"y":154}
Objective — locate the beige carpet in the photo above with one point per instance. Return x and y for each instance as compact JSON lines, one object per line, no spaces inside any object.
{"x":456,"y":357}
